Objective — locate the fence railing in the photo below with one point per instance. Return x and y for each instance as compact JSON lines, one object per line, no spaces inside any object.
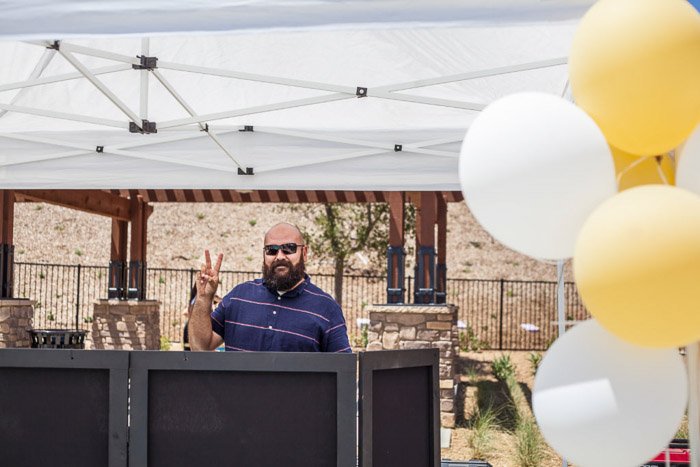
{"x":494,"y":314}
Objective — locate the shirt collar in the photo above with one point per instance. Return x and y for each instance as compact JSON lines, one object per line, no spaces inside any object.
{"x":296,"y":291}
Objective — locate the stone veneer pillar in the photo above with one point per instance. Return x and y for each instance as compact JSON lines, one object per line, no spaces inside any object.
{"x":420,"y":327}
{"x":126,"y":325}
{"x":16,"y":316}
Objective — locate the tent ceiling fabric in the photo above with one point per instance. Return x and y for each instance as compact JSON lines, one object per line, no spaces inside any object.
{"x":317,"y":101}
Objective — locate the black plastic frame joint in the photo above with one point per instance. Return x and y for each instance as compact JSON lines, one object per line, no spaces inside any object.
{"x":361,"y":92}
{"x":247,"y":128}
{"x":398,"y":147}
{"x":147,"y":63}
{"x":206,"y":128}
{"x":247,"y":171}
{"x":100,"y":149}
{"x":55,"y":46}
{"x":146,"y":127}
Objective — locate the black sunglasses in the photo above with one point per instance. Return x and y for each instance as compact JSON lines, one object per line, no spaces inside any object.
{"x":287,"y":249}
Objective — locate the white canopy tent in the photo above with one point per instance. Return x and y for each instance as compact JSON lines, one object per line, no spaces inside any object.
{"x":263,"y":94}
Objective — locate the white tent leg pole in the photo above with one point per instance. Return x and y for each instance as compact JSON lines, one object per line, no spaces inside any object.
{"x":692,"y":354}
{"x":561,"y":315}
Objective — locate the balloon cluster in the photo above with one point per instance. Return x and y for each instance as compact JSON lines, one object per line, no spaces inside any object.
{"x":612,"y":181}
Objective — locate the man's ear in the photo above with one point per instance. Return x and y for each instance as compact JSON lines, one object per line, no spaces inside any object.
{"x":305,"y":252}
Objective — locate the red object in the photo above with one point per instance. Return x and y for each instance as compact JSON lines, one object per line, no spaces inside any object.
{"x":678,"y":455}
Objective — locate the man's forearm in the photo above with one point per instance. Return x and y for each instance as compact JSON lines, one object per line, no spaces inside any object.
{"x":200,"y":324}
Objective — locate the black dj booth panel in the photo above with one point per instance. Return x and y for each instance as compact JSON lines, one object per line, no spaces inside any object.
{"x":399,"y":408}
{"x":240,"y":409}
{"x":66,"y":407}
{"x":63,"y":407}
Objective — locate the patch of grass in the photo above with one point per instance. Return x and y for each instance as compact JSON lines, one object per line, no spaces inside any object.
{"x":535,"y":359}
{"x":252,"y":222}
{"x":483,"y":425}
{"x":78,"y":252}
{"x":200,"y":216}
{"x":161,"y":280}
{"x":50,"y":317}
{"x":503,"y":368}
{"x":529,"y":445}
{"x":469,"y":341}
{"x":164,"y":343}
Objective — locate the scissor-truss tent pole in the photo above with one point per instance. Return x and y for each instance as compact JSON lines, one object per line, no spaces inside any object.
{"x":473,"y":75}
{"x":258,"y":78}
{"x":62,"y":77}
{"x":44,"y":61}
{"x":101,"y":87}
{"x":191,"y":111}
{"x":64,"y":116}
{"x":254,"y":110}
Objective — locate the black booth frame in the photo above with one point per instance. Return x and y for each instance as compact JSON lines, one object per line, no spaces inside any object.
{"x":388,"y":360}
{"x":343,"y":365}
{"x":117,"y":362}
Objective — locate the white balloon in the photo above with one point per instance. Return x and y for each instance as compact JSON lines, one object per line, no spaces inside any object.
{"x":533,"y":166}
{"x":600,"y":401}
{"x":688,"y":166}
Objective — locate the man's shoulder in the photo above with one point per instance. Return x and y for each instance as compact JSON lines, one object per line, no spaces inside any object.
{"x":316,"y":293}
{"x":248,"y":288}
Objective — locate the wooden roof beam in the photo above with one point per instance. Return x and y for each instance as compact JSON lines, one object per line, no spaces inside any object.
{"x":91,"y":201}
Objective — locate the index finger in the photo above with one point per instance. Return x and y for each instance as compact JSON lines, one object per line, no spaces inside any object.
{"x":207,"y":259}
{"x":218,"y":262}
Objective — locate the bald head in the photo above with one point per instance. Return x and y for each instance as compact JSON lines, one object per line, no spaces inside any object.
{"x":284,"y":232}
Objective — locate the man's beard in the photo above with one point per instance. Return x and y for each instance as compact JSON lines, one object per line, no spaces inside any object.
{"x":283,"y":281}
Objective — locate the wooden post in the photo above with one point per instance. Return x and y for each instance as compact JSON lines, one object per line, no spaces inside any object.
{"x":137,"y":252}
{"x":441,"y":266}
{"x":7,"y":248}
{"x":395,"y":252}
{"x":117,"y":260}
{"x":426,"y":213}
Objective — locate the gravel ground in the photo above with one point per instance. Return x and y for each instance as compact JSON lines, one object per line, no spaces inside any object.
{"x":178,"y":233}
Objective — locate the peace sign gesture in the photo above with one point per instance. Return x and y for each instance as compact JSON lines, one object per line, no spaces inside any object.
{"x":208,"y":279}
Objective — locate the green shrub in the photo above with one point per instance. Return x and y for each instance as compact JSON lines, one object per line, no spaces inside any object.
{"x":164,"y":343}
{"x":502,"y":367}
{"x":535,"y":359}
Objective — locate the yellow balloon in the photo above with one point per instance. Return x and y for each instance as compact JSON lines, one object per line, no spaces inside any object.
{"x":635,"y":67}
{"x":631,"y":170}
{"x":637,"y":265}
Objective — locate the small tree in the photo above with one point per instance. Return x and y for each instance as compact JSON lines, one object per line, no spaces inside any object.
{"x":345,"y":229}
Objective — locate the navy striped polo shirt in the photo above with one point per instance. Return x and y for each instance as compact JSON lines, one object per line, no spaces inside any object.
{"x":305,"y":319}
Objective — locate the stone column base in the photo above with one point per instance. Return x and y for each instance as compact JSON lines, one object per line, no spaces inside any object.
{"x":16,"y":317}
{"x":126,"y":325}
{"x":420,"y":327}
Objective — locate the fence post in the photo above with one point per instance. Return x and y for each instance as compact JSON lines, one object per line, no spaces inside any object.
{"x":77,"y":301}
{"x":500,"y":319}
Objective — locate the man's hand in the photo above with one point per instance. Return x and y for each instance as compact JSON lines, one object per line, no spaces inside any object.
{"x":208,"y":280}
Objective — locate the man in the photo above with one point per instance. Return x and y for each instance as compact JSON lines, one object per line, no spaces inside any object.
{"x":283,"y":311}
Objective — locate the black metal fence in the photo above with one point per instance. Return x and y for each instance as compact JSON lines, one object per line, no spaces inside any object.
{"x":493,"y":314}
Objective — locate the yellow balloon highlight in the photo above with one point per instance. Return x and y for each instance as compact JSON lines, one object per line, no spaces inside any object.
{"x":637,"y":265}
{"x":631,"y":170}
{"x":635,"y":67}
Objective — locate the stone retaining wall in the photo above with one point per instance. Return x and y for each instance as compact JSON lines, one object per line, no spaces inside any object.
{"x":420,"y":327}
{"x":126,"y":325}
{"x":16,"y":316}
